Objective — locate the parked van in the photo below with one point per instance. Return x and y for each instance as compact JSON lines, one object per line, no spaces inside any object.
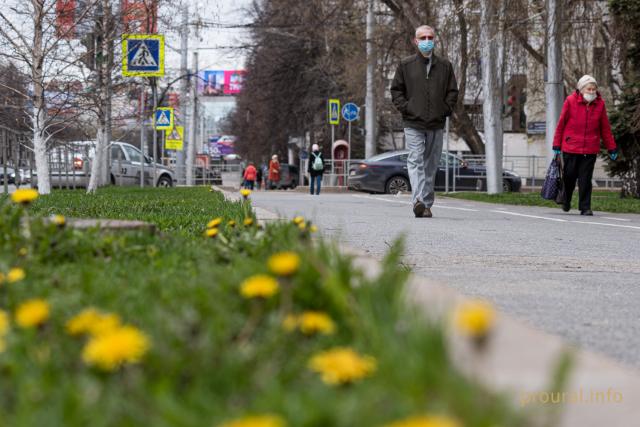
{"x":70,"y":166}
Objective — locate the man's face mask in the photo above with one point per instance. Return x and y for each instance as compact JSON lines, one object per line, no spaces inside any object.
{"x":425,"y":46}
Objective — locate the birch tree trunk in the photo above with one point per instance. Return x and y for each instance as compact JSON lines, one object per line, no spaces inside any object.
{"x":492,"y":106}
{"x":39,"y":114}
{"x":100,"y":167}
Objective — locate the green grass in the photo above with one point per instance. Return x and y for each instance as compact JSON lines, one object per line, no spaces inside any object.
{"x":605,"y":201}
{"x":214,"y":355}
{"x":179,"y":210}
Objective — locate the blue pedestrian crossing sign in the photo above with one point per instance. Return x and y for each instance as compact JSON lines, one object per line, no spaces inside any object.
{"x":142,"y":55}
{"x":164,"y":118}
{"x":334,"y":111}
{"x":350,"y":112}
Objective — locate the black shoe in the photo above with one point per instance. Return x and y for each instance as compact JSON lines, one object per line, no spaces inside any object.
{"x":586,"y":212}
{"x":418,"y":209}
{"x":566,"y":207}
{"x":427,"y":213}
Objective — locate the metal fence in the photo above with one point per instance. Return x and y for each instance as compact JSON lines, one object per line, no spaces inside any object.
{"x":532,"y":169}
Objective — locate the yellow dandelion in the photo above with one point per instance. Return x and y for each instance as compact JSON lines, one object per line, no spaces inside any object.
{"x":231,"y":224}
{"x":108,"y":351}
{"x":24,"y":196}
{"x":313,"y":322}
{"x":211,"y":232}
{"x":313,"y":229}
{"x":284,"y":263}
{"x":23,"y":252}
{"x":302,"y":226}
{"x":267,"y":420}
{"x":248,"y":222}
{"x":298,"y":220}
{"x":425,"y":421}
{"x":32,"y":313}
{"x":91,"y":321}
{"x":259,"y":286}
{"x":82,"y":322}
{"x":4,"y":323}
{"x":16,"y":274}
{"x":245,"y":192}
{"x":290,"y":323}
{"x":58,"y":220}
{"x":342,"y":366}
{"x":475,"y":318}
{"x":214,"y":223}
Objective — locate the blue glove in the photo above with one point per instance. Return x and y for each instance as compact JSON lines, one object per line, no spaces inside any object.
{"x":556,"y":151}
{"x":613,"y":155}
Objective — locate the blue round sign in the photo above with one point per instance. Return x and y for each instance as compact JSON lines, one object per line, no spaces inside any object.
{"x":350,"y":111}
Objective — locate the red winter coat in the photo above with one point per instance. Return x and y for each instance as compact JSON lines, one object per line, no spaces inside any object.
{"x":274,"y":171}
{"x":250,"y":173}
{"x":581,"y":126}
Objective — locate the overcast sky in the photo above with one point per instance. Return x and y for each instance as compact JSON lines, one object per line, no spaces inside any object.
{"x":221,"y":13}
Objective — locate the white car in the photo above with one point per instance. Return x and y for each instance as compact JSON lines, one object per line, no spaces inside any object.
{"x":70,"y":166}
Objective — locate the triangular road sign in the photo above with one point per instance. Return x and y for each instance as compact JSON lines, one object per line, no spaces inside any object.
{"x":164,"y":119}
{"x":143,"y":57}
{"x":174,"y":135}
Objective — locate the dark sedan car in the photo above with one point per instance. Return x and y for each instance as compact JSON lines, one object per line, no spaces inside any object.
{"x":387,"y":173}
{"x":11,"y":175}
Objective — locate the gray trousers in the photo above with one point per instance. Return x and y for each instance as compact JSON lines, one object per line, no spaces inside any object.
{"x":425,"y":150}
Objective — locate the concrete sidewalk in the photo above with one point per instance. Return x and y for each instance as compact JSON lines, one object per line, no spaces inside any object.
{"x":519,"y":361}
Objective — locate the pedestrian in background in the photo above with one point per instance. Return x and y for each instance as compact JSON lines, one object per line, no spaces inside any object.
{"x":274,"y":172}
{"x":582,"y":124}
{"x":250,"y":175}
{"x":316,"y":169}
{"x":425,"y":91}
{"x":259,"y":177}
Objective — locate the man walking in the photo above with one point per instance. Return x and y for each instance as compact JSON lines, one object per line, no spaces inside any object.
{"x":425,"y":91}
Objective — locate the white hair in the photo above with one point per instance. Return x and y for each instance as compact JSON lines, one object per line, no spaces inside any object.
{"x":426,"y":28}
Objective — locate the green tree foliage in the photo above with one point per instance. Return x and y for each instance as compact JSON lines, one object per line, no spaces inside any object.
{"x":626,"y":119}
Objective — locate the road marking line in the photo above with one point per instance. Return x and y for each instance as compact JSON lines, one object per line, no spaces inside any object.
{"x":530,"y":216}
{"x":615,"y":219}
{"x":610,"y":225}
{"x":459,"y":209}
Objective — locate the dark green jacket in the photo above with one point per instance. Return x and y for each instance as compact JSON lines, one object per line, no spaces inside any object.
{"x":424,"y":99}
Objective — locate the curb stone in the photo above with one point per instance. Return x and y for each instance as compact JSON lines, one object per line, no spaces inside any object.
{"x":519,"y":360}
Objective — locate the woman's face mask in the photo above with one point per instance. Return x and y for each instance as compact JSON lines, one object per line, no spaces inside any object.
{"x":589,"y":97}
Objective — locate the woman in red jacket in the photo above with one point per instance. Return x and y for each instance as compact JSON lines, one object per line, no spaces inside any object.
{"x":582,"y":124}
{"x":250,"y":175}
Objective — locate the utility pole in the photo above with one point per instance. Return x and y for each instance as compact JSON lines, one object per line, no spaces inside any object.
{"x":184,"y":46}
{"x":370,"y":102}
{"x":492,"y":49}
{"x":193,"y":123}
{"x":553,"y":88}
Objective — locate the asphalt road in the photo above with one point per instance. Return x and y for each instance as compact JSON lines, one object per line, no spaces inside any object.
{"x":574,"y":276}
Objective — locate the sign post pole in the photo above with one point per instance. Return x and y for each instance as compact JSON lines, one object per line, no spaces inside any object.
{"x":350,"y":113}
{"x":143,"y":133}
{"x":334,"y":119}
{"x":154,"y":92}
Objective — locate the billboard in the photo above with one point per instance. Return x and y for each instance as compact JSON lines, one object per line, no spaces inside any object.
{"x":221,"y":145}
{"x":139,"y":16}
{"x":220,"y":82}
{"x":65,"y":19}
